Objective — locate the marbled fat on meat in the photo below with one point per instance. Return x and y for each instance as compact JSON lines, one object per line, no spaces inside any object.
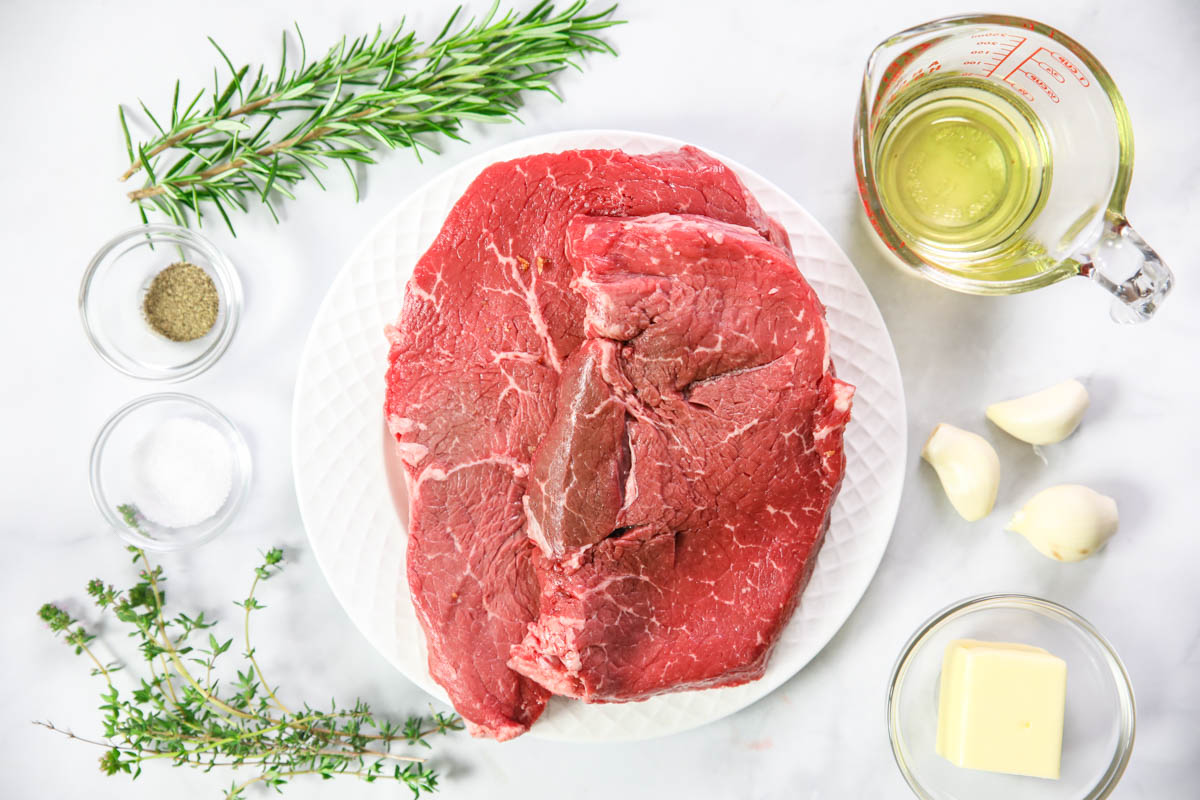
{"x":611,"y":390}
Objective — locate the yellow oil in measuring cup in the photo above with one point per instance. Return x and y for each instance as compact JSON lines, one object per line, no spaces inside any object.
{"x":994,"y":154}
{"x":963,"y":168}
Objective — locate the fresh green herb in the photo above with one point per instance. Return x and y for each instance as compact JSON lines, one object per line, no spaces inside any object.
{"x":179,"y":712}
{"x":258,"y":137}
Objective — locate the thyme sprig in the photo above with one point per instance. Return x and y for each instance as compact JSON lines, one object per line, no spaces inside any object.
{"x":179,"y":712}
{"x":257,"y":137}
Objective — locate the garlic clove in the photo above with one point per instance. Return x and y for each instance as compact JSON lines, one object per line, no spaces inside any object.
{"x":1044,"y":417}
{"x":967,"y":467}
{"x":1067,"y":522}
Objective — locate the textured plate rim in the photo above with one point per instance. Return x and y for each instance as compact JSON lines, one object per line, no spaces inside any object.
{"x":892,"y":486}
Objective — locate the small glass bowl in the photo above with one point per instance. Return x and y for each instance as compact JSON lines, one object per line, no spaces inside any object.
{"x":1099,"y":725}
{"x":113,"y":474}
{"x":113,"y":288}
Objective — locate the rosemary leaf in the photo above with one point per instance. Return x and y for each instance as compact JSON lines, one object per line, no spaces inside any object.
{"x":392,"y":91}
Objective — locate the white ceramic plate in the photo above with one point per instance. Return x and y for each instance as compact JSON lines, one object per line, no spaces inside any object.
{"x":359,"y":539}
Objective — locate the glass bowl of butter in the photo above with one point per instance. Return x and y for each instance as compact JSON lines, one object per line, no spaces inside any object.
{"x":1007,"y":695}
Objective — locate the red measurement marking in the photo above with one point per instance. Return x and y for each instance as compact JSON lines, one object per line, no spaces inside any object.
{"x":894,"y":69}
{"x":931,"y":67}
{"x":1051,"y":71}
{"x":1071,"y":68}
{"x":1041,"y":84}
{"x":1021,"y":90}
{"x":1004,"y":52}
{"x":863,"y":194}
{"x":1054,"y":98}
{"x":996,"y":35}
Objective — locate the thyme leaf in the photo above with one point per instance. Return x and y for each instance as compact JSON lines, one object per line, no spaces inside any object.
{"x":175,"y":708}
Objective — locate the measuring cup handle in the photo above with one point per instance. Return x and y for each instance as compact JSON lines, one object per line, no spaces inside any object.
{"x":1121,"y":251}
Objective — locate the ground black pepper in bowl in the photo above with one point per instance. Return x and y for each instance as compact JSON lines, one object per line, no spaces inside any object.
{"x":182,"y":302}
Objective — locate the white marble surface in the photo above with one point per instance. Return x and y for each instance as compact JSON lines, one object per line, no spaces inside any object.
{"x":771,"y":84}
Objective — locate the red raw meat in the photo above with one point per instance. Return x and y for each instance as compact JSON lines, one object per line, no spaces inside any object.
{"x":611,"y":390}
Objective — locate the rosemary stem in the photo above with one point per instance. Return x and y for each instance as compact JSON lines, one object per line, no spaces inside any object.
{"x":248,"y":108}
{"x":381,"y":91}
{"x":237,"y":163}
{"x":187,"y":133}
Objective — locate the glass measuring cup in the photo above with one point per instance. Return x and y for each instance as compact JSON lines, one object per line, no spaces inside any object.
{"x":1025,"y":182}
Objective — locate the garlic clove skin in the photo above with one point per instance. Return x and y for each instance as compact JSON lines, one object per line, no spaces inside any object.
{"x":1044,"y":417}
{"x":968,"y":468}
{"x":1068,"y":522}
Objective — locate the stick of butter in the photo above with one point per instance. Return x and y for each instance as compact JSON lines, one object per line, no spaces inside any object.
{"x":1001,"y":708}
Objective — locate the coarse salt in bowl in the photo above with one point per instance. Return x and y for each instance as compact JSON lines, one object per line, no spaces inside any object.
{"x":169,"y":471}
{"x":184,"y":471}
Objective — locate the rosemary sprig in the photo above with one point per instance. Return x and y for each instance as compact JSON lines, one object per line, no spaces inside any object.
{"x":257,"y":137}
{"x":178,"y":712}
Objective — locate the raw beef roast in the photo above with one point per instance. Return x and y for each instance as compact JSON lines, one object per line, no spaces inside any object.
{"x":612,"y":392}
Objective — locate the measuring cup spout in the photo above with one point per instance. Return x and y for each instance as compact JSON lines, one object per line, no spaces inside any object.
{"x":1121,"y":262}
